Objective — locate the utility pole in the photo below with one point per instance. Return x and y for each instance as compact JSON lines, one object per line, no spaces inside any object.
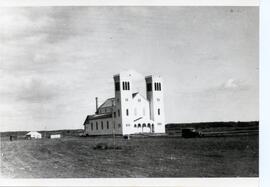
{"x":113,"y":132}
{"x":45,"y":132}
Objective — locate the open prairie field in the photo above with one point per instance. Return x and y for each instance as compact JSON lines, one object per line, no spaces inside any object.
{"x":138,"y":157}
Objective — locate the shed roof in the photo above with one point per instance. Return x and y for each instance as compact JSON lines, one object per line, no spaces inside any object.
{"x":33,"y":132}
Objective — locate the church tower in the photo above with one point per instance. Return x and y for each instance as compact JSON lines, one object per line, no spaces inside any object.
{"x":154,"y":94}
{"x":122,"y":114}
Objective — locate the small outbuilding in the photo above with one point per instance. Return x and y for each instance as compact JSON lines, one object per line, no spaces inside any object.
{"x":33,"y":135}
{"x":55,"y":136}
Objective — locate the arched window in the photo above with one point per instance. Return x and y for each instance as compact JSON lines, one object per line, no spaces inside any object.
{"x":144,"y":125}
{"x":127,"y":112}
{"x":139,"y":125}
{"x":135,"y":125}
{"x":148,"y":125}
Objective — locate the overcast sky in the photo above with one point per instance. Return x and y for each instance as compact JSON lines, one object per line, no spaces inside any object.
{"x":56,"y":60}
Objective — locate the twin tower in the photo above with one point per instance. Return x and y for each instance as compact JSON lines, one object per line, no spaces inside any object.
{"x":135,"y":113}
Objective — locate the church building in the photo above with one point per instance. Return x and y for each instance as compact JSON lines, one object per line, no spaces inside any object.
{"x":128,"y":112}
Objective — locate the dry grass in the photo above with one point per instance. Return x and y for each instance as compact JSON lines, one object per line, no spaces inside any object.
{"x":139,"y":157}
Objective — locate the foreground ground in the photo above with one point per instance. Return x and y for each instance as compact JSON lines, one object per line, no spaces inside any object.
{"x":139,"y":157}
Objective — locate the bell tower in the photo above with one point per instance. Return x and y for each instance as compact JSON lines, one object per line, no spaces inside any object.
{"x":154,"y":94}
{"x":122,"y":114}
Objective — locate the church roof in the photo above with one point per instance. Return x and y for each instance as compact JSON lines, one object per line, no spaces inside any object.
{"x":111,"y":101}
{"x":108,"y":103}
{"x":143,"y":120}
{"x":134,"y":94}
{"x":138,"y":94}
{"x":97,"y":116}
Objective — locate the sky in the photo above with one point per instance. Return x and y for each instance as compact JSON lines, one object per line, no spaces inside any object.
{"x":54,"y":61}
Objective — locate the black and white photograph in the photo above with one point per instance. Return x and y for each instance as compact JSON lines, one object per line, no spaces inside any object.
{"x":129,"y":92}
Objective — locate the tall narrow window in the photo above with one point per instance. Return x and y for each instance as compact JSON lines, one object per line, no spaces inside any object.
{"x":118,"y":112}
{"x":159,"y":111}
{"x":128,"y":86}
{"x":102,"y":125}
{"x":92,"y":126}
{"x":107,"y":124}
{"x":96,"y":125}
{"x":159,"y":86}
{"x":155,"y":86}
{"x":114,"y":114}
{"x":149,"y":87}
{"x":127,"y":112}
{"x":124,"y":86}
{"x":117,"y":86}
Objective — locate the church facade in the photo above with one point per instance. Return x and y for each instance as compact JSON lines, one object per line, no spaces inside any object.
{"x":128,"y":112}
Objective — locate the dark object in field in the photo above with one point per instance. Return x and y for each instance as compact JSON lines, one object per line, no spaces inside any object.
{"x":104,"y":146}
{"x":190,"y":133}
{"x":11,"y":138}
{"x":28,"y":137}
{"x":127,"y":137}
{"x":101,"y":146}
{"x":83,"y":135}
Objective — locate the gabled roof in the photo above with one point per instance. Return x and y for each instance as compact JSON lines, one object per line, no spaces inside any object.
{"x":32,"y":132}
{"x":138,"y":94}
{"x":134,"y":94}
{"x":143,"y":120}
{"x":108,"y":103}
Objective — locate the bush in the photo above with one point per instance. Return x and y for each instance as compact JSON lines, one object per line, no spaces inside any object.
{"x":101,"y":146}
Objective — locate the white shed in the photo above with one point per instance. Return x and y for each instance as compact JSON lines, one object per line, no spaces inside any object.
{"x":55,"y":136}
{"x":34,"y":135}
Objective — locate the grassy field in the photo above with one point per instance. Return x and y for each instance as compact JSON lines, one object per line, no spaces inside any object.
{"x":139,"y":157}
